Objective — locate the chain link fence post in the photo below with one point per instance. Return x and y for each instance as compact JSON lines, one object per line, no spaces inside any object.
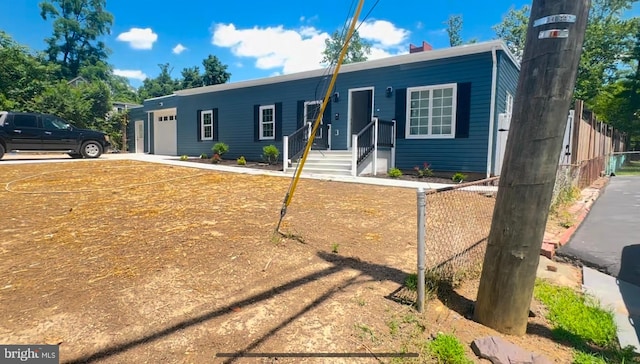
{"x":422,"y":203}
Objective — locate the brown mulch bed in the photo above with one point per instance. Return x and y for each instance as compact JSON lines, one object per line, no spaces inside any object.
{"x":123,"y":262}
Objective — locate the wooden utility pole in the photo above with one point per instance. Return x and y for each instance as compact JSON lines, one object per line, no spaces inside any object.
{"x":541,"y":107}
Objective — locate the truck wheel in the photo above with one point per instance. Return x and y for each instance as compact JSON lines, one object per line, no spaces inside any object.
{"x":1,"y":151}
{"x":91,"y":149}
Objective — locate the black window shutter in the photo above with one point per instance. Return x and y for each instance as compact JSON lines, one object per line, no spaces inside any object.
{"x":401,"y":112}
{"x":463,"y":110}
{"x":256,"y":123}
{"x":216,"y":137}
{"x":278,"y":120}
{"x":300,"y":114}
{"x":199,"y":126}
{"x":326,"y":117}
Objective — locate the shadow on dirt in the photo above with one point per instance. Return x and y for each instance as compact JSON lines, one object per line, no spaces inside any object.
{"x":375,"y":272}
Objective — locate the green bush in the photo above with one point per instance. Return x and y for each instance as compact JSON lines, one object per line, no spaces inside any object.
{"x":458,"y":177}
{"x":270,"y":153}
{"x":394,"y":173}
{"x":241,"y":161}
{"x":184,"y":157}
{"x":220,"y":149}
{"x":425,"y":171}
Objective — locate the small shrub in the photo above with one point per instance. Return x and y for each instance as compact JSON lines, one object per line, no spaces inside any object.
{"x":425,"y":171}
{"x":448,"y":349}
{"x":270,"y":153}
{"x":220,"y":149}
{"x":458,"y":177}
{"x":216,"y":158}
{"x":394,"y":173}
{"x":184,"y":157}
{"x":241,"y":161}
{"x":204,"y":156}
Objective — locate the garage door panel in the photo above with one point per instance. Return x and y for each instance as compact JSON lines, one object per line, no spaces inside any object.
{"x":165,"y":132}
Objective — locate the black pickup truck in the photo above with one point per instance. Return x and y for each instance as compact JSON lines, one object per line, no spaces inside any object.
{"x":34,"y":132}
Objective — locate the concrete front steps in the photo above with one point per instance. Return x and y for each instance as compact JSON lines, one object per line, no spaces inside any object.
{"x":329,"y":162}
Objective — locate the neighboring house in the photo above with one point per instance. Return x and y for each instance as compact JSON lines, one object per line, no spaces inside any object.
{"x":436,"y":106}
{"x":76,"y":81}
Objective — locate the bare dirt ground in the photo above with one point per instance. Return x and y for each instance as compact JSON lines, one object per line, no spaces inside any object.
{"x":123,"y":262}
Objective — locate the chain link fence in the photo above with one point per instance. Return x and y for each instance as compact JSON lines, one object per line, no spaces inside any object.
{"x":457,"y":222}
{"x":567,"y":178}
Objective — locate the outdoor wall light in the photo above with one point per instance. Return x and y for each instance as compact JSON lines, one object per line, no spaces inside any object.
{"x":336,"y":97}
{"x":389,"y":91}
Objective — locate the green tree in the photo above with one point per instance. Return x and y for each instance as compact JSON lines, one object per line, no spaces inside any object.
{"x":159,"y":86}
{"x":607,"y":37}
{"x":454,"y":28}
{"x":215,"y":72}
{"x":23,"y":75}
{"x":191,"y":78}
{"x":121,"y":90}
{"x":86,"y":105}
{"x":357,"y":51}
{"x":513,"y":29}
{"x":77,"y":28}
{"x":454,"y":31}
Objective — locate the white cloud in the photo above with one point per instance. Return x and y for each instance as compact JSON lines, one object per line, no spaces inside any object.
{"x":139,"y":38}
{"x":300,"y":49}
{"x":274,"y":47}
{"x":239,"y":64}
{"x":179,"y":49}
{"x":383,"y":32}
{"x":135,"y":74}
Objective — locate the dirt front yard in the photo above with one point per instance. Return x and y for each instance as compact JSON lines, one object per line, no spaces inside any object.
{"x":123,"y":262}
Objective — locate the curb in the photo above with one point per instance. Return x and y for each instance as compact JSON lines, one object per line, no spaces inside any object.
{"x":581,"y":210}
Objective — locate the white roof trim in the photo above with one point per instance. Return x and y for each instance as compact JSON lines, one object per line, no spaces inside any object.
{"x":160,"y":97}
{"x":353,"y":67}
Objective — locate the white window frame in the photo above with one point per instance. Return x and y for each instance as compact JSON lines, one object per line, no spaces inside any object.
{"x":203,"y":126}
{"x":508,"y":107}
{"x":262,"y":122}
{"x":451,"y":135}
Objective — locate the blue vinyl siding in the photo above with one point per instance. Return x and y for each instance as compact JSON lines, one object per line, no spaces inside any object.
{"x":458,"y":154}
{"x":236,"y":125}
{"x":507,"y":82}
{"x":235,"y":110}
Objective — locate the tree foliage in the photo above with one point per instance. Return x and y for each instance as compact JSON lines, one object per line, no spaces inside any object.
{"x":454,"y":31}
{"x":608,"y":36}
{"x":161,"y":85}
{"x":215,"y":72}
{"x":77,"y":28}
{"x":357,"y":51}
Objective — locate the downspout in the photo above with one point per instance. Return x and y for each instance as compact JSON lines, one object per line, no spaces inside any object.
{"x":492,"y":110}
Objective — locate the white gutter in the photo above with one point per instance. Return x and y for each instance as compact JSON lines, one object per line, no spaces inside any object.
{"x":492,"y":109}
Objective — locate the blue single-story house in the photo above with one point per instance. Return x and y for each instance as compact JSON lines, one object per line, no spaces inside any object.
{"x":437,"y":106}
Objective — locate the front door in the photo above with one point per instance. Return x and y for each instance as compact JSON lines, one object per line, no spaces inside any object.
{"x":360,"y":109}
{"x":504,"y":122}
{"x":311,"y":112}
{"x":139,"y":135}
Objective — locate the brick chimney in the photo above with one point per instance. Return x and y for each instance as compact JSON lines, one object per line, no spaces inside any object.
{"x":425,"y":47}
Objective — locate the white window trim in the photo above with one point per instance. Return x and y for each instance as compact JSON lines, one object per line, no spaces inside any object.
{"x":454,"y":115}
{"x":202,"y":125}
{"x":508,"y":107}
{"x":266,"y":107}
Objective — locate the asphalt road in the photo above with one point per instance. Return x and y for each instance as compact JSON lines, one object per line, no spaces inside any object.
{"x":609,"y":238}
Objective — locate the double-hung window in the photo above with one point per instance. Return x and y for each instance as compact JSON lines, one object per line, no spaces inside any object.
{"x":206,"y":125}
{"x":431,"y":111}
{"x":267,"y":122}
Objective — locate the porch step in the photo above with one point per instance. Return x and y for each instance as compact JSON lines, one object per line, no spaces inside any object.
{"x":327,"y":162}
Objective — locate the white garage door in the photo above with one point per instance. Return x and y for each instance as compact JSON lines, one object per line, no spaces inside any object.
{"x":165,"y":137}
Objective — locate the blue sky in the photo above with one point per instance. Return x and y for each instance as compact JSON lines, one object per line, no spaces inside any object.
{"x":256,"y":38}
